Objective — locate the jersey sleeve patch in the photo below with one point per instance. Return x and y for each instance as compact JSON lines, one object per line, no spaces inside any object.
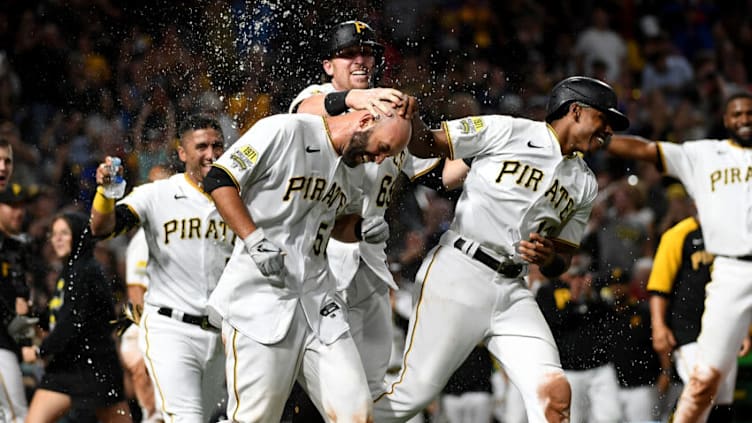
{"x":471,"y":125}
{"x":245,"y":157}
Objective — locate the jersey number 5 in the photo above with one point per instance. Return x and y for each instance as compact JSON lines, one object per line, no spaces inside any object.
{"x":322,"y":238}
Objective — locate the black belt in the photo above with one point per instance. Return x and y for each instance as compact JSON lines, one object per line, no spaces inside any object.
{"x":202,"y":321}
{"x":742,"y":258}
{"x":508,"y":268}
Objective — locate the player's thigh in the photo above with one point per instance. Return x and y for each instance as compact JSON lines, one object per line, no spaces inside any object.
{"x":685,"y":359}
{"x":579,"y":383}
{"x":639,"y":404}
{"x":728,"y":313}
{"x":372,"y":319}
{"x":603,"y":393}
{"x":334,"y":379}
{"x":213,"y":381}
{"x":529,"y":362}
{"x":174,"y":352}
{"x":260,"y":377}
{"x":12,"y":393}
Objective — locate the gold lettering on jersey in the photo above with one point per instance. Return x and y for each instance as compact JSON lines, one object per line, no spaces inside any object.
{"x":701,"y":258}
{"x":192,"y":228}
{"x":312,"y":188}
{"x":732,"y":175}
{"x":557,"y":195}
{"x":399,"y":159}
{"x":529,"y":176}
{"x":562,"y":297}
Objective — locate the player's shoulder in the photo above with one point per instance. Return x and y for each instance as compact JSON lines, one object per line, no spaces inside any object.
{"x":683,"y":228}
{"x":310,"y":91}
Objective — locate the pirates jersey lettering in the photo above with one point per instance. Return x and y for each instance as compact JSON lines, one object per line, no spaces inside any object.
{"x":191,"y":228}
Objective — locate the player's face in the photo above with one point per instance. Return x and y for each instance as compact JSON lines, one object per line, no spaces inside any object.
{"x":61,"y":238}
{"x":738,"y":120}
{"x":385,"y":137}
{"x":352,"y":68}
{"x":591,"y":130}
{"x":6,"y":166}
{"x":199,"y":149}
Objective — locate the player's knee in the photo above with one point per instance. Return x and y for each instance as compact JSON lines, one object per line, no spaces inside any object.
{"x":555,"y":394}
{"x":703,"y":384}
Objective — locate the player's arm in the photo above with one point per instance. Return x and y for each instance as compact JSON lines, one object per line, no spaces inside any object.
{"x":354,"y":228}
{"x":663,"y":338}
{"x":426,"y":142}
{"x":633,"y":147}
{"x":378,"y":101}
{"x":107,"y":218}
{"x":551,"y":256}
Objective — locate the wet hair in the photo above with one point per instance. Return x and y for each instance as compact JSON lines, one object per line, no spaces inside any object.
{"x":199,"y":121}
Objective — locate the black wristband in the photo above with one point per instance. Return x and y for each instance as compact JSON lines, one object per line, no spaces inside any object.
{"x":334,"y":103}
{"x":555,"y":268}
{"x":358,"y":230}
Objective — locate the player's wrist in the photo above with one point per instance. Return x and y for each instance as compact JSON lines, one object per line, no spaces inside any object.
{"x":254,"y":238}
{"x":336,"y":103}
{"x":101,"y":203}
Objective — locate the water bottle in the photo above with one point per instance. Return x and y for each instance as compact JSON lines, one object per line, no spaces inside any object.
{"x":116,"y":188}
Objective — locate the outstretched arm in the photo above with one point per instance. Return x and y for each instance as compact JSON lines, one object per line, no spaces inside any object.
{"x":427,"y":143}
{"x":378,"y":101}
{"x":633,"y":147}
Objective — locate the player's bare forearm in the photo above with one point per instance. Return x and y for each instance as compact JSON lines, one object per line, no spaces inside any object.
{"x":427,"y":143}
{"x":454,"y":173}
{"x":633,"y":147}
{"x":136,"y":294}
{"x":344,"y":228}
{"x":233,"y":211}
{"x":313,"y":105}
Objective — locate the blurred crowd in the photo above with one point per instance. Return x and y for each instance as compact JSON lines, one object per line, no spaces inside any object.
{"x":82,"y":79}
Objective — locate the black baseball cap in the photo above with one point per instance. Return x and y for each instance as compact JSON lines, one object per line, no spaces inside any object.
{"x":16,"y":193}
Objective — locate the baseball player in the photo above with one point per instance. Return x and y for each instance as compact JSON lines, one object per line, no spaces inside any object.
{"x":677,"y":282}
{"x":526,"y":199}
{"x":6,"y":163}
{"x":280,"y":187}
{"x":716,"y":174}
{"x":137,"y":282}
{"x":360,"y":268}
{"x":188,"y":246}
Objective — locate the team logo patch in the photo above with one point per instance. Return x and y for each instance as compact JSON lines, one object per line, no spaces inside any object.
{"x":329,"y":309}
{"x":245,"y":157}
{"x":472,"y":124}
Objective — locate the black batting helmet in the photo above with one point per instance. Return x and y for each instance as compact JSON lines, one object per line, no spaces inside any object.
{"x":590,"y":91}
{"x":352,"y":33}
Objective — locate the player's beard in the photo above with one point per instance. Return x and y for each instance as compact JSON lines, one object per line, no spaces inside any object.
{"x":745,"y":142}
{"x":356,"y":148}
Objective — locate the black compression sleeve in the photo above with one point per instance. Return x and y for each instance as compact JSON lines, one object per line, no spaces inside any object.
{"x":217,"y":177}
{"x":335,"y":104}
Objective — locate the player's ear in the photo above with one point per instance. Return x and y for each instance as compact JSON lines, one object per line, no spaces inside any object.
{"x":575,"y":109}
{"x":366,"y":120}
{"x":181,"y":153}
{"x":328,"y":67}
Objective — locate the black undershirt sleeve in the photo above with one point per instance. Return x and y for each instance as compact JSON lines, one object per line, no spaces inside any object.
{"x":217,"y":177}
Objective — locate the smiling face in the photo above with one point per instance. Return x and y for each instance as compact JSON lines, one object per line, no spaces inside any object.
{"x":738,"y":120}
{"x":198,"y":149}
{"x":590,"y":129}
{"x":377,"y":139}
{"x":61,"y":238}
{"x":351,"y":68}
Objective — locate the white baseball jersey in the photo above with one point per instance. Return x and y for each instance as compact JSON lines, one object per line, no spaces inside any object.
{"x":294,"y":184}
{"x":136,"y":258}
{"x":717,"y":175}
{"x":377,"y":187}
{"x":518,"y":163}
{"x":187,"y":239}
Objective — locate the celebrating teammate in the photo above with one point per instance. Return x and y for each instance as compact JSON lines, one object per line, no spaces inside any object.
{"x":526,"y":199}
{"x":280,"y":187}
{"x":716,"y":173}
{"x":188,"y":247}
{"x":351,"y":56}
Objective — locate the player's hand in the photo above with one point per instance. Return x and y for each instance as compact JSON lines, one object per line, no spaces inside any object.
{"x":103,"y":175}
{"x":374,"y":230}
{"x":663,"y":339}
{"x":29,"y":354}
{"x":22,"y":327}
{"x":538,"y":249}
{"x":746,"y":345}
{"x":269,"y":258}
{"x":378,"y":101}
